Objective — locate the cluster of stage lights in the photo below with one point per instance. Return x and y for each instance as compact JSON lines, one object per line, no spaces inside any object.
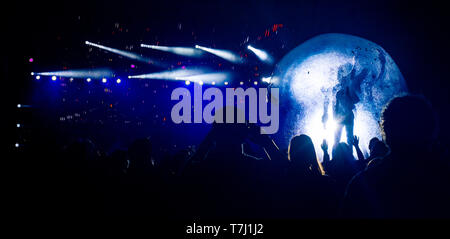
{"x":89,"y":79}
{"x":118,"y":81}
{"x":200,"y":78}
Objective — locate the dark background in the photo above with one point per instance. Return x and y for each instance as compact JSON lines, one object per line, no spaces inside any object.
{"x":415,"y":34}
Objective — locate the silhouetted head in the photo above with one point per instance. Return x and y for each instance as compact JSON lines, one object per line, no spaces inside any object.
{"x":408,"y":124}
{"x":342,"y":153}
{"x":302,"y":154}
{"x":379,"y":149}
{"x":372,"y":143}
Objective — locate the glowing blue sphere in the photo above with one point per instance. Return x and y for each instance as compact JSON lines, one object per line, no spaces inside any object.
{"x":310,"y":75}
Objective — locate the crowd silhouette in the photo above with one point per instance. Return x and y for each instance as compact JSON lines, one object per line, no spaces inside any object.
{"x":405,"y":176}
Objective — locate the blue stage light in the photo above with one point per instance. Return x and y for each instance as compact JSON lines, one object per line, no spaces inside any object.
{"x":262,"y":55}
{"x":266,"y":79}
{"x":127,"y":54}
{"x":224,"y":54}
{"x":183,"y":51}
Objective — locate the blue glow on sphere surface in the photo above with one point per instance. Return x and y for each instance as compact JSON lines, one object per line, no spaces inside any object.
{"x":309,"y":75}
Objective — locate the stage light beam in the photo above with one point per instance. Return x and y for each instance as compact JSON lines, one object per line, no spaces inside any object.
{"x":224,"y":54}
{"x":266,"y":79}
{"x":207,"y":78}
{"x":262,"y":55}
{"x":169,"y":75}
{"x":182,"y":51}
{"x":126,"y":54}
{"x":79,"y":73}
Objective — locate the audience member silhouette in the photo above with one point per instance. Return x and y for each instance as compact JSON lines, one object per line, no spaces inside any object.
{"x":308,"y":191}
{"x":343,"y":166}
{"x":377,"y":150}
{"x":410,"y":181}
{"x":237,"y":172}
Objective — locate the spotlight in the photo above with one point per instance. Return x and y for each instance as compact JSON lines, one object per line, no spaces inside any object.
{"x":169,"y":75}
{"x":241,"y":83}
{"x":262,"y":55}
{"x":200,"y":82}
{"x":80,"y":73}
{"x":255,"y":83}
{"x":32,"y":73}
{"x":19,"y":106}
{"x":204,"y":78}
{"x":118,"y":81}
{"x":104,"y":80}
{"x":224,"y":54}
{"x":266,"y":79}
{"x":71,"y":79}
{"x":17,"y":145}
{"x":226,"y":82}
{"x":213,"y":83}
{"x":88,"y":79}
{"x":183,"y":51}
{"x":132,"y":66}
{"x":126,"y":54}
{"x":53,"y":78}
{"x":31,"y":60}
{"x":38,"y":77}
{"x":187,"y":82}
{"x":18,"y":125}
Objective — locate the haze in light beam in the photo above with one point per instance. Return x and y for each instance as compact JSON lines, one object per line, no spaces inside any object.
{"x":224,"y":54}
{"x":80,"y":73}
{"x":183,"y":51}
{"x":127,"y":54}
{"x":262,"y":55}
{"x":168,"y":75}
{"x":207,"y":78}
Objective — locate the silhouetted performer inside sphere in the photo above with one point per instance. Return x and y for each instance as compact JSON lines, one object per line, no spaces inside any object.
{"x":344,"y":103}
{"x":343,"y":114}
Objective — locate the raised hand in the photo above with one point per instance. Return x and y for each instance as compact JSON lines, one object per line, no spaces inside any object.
{"x":355,"y":140}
